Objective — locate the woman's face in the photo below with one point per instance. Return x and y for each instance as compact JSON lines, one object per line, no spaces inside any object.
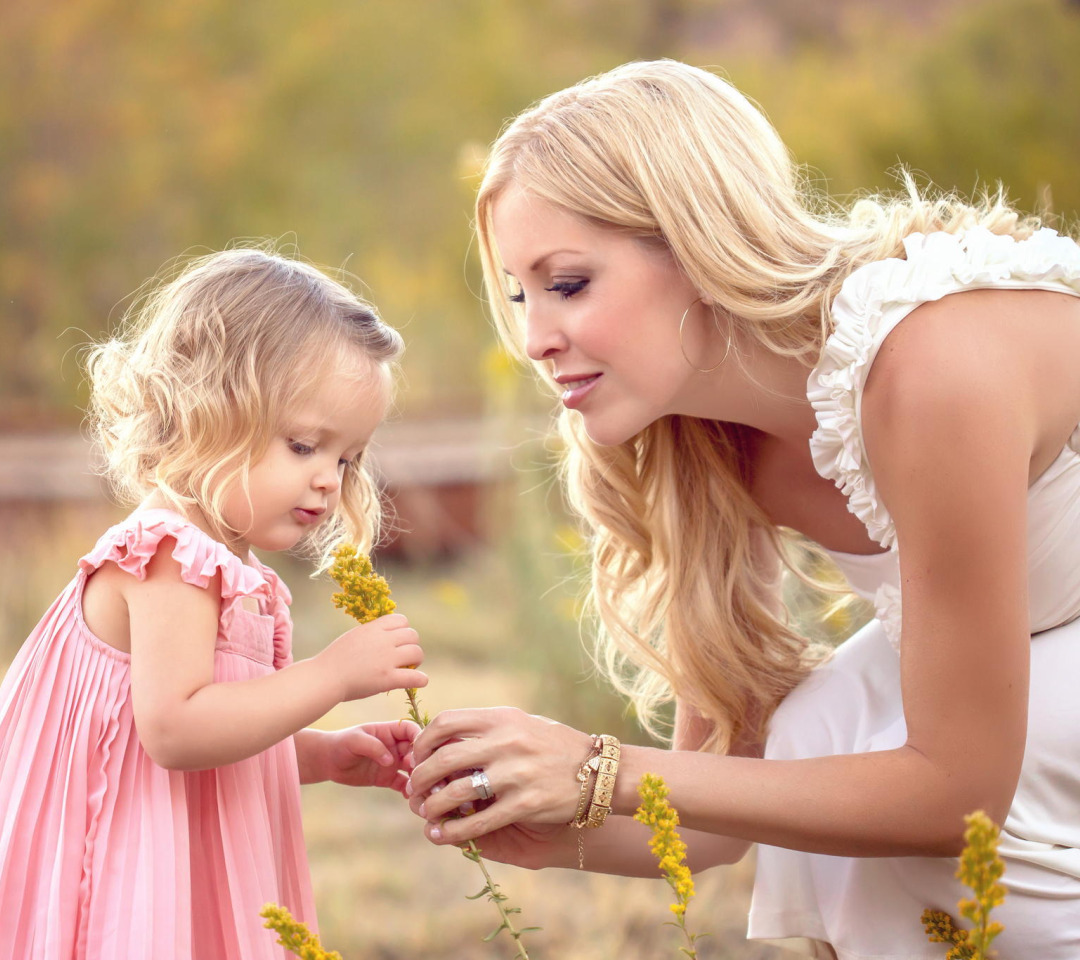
{"x":602,"y":312}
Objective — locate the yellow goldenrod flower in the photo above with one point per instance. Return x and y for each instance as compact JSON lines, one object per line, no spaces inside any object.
{"x":569,"y":539}
{"x":980,"y":869}
{"x":451,"y":594}
{"x":668,"y":848}
{"x":295,"y":936}
{"x":500,"y":377}
{"x":364,"y":595}
{"x":940,"y":928}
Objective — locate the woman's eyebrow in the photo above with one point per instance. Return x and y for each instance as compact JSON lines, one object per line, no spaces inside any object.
{"x":539,"y":261}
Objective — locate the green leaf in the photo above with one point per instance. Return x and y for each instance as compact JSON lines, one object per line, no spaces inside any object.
{"x":494,"y":933}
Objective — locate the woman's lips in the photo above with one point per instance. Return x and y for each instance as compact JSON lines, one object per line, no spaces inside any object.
{"x":576,"y":390}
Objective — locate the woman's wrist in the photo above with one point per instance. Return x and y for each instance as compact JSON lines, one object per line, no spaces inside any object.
{"x":633,"y":762}
{"x":597,"y":777}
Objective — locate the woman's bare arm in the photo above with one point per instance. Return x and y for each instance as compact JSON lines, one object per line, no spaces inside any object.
{"x":951,"y":452}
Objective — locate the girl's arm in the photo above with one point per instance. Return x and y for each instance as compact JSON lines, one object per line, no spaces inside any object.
{"x":186,"y":721}
{"x":951,"y":451}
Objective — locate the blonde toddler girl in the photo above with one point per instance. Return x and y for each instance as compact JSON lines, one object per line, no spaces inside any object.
{"x":153,"y":727}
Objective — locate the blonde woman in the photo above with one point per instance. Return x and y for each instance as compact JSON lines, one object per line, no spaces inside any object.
{"x":153,"y":727}
{"x":900,"y":385}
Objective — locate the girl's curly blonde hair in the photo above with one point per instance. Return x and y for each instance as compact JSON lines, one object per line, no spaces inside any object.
{"x":188,"y":394}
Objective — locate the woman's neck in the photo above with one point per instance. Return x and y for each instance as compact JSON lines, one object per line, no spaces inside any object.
{"x":761,"y":390}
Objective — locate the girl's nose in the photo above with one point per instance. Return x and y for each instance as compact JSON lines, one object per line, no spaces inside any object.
{"x":544,"y":338}
{"x":328,"y":479}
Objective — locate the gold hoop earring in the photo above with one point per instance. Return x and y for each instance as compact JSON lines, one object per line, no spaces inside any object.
{"x":682,"y":347}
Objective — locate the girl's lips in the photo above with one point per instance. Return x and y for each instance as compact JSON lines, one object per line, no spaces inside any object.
{"x":576,"y":390}
{"x":307,"y":516}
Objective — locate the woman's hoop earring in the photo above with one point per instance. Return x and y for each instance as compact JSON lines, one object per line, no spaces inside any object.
{"x":682,"y":347}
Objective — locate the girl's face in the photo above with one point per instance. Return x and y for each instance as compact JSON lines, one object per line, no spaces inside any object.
{"x":296,"y":484}
{"x":602,"y":311}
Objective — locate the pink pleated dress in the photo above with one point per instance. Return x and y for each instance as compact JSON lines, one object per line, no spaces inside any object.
{"x":105,"y":854}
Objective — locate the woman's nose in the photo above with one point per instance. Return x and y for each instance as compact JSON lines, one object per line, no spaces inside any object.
{"x":544,"y":338}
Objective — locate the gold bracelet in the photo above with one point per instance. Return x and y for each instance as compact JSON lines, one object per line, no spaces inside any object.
{"x":607,"y":767}
{"x":584,"y":776}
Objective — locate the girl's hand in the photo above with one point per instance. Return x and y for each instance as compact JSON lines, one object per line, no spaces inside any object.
{"x":531,"y":763}
{"x":374,"y":657}
{"x":370,"y":755}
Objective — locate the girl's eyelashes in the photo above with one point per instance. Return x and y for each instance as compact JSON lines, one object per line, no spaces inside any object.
{"x":302,"y":449}
{"x":567,"y":288}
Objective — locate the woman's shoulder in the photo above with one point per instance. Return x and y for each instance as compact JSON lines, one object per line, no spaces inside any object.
{"x":873,"y":302}
{"x":877,"y":296}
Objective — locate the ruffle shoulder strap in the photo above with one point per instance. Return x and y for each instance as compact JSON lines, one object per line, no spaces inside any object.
{"x":134,"y":541}
{"x":875,"y":298}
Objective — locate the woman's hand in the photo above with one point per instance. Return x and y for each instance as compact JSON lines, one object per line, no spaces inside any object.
{"x":531,"y":845}
{"x":368,"y":755}
{"x":530,"y":762}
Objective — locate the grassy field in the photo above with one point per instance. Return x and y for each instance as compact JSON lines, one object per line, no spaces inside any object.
{"x":382,"y":891}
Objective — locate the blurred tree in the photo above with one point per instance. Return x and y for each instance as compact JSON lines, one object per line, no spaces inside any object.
{"x":131,"y":133}
{"x":985,"y":96}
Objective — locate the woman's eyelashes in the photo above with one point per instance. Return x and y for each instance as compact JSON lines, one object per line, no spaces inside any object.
{"x":567,"y":288}
{"x":564,"y":288}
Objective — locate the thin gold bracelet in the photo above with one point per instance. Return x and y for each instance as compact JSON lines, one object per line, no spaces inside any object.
{"x":584,"y":775}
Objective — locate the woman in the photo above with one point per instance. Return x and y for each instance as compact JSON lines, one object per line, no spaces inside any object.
{"x":733,"y":366}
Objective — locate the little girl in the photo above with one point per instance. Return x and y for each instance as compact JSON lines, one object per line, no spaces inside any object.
{"x":152,"y":728}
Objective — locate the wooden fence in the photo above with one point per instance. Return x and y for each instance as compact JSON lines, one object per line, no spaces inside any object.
{"x":440,"y":478}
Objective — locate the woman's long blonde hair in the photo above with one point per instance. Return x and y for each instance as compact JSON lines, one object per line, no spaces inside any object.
{"x":188,"y":394}
{"x":674,"y":155}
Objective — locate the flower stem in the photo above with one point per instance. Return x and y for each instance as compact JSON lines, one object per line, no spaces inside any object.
{"x":472,"y":852}
{"x":364,"y":596}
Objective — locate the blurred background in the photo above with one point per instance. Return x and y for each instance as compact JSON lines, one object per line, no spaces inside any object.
{"x":353,"y":133}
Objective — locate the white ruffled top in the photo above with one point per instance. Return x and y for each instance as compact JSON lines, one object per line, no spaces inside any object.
{"x":872,"y":301}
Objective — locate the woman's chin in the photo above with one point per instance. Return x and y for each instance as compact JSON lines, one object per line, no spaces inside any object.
{"x":609,"y":433}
